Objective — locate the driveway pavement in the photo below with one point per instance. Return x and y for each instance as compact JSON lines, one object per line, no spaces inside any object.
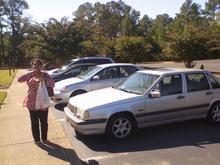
{"x":211,"y":65}
{"x":16,"y":144}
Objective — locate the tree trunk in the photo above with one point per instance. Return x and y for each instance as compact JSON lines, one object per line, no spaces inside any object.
{"x":2,"y":44}
{"x":189,"y":64}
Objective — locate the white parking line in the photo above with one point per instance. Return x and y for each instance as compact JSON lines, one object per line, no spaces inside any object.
{"x":105,"y":156}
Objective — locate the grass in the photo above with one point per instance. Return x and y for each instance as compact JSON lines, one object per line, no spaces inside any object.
{"x":5,"y":82}
{"x":5,"y":79}
{"x":2,"y":97}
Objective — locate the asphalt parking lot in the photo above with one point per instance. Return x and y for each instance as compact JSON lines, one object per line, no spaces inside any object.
{"x":212,"y":65}
{"x":185,"y":143}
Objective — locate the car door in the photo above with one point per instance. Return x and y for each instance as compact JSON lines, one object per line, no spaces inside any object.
{"x":170,"y":105}
{"x":107,"y":77}
{"x":198,"y":94}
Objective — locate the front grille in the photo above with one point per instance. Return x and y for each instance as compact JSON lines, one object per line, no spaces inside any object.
{"x":72,"y":108}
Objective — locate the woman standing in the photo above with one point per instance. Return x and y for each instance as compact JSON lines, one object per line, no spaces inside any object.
{"x":38,"y":116}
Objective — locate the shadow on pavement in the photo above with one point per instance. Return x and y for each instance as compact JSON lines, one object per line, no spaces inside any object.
{"x":60,"y":152}
{"x":191,"y":133}
{"x":90,"y":162}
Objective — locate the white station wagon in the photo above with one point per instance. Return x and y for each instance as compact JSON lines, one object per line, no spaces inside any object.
{"x":146,"y":98}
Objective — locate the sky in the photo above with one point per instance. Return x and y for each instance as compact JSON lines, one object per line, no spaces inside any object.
{"x":41,"y":10}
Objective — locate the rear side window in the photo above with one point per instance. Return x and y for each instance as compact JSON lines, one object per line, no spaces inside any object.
{"x":213,"y":82}
{"x":196,"y":82}
{"x":103,"y":61}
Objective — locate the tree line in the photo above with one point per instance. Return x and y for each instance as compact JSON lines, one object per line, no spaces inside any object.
{"x":113,"y":29}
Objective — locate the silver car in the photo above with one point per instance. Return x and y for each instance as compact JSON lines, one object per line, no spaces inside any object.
{"x":101,"y":76}
{"x":146,"y":98}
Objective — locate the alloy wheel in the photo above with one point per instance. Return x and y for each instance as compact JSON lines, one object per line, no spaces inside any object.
{"x":121,"y":127}
{"x":216,"y":113}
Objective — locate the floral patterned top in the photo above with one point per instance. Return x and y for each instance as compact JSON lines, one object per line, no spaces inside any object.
{"x":33,"y":84}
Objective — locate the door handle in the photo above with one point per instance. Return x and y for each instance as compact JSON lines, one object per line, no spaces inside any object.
{"x":180,"y":97}
{"x":209,"y":93}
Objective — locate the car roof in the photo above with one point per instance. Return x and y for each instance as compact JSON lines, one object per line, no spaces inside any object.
{"x":92,"y":57}
{"x":80,"y":65}
{"x":116,"y":64}
{"x":162,"y":71}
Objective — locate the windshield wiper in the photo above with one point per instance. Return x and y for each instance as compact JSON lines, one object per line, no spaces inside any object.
{"x":138,"y":93}
{"x":123,"y":90}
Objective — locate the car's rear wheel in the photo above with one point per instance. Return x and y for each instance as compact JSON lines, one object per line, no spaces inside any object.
{"x":214,"y":113}
{"x":120,"y":126}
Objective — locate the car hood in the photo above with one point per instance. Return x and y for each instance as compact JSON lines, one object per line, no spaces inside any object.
{"x":67,"y":82}
{"x":100,"y":98}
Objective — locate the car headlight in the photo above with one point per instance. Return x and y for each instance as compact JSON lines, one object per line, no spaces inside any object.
{"x":64,"y":89}
{"x":86,"y":115}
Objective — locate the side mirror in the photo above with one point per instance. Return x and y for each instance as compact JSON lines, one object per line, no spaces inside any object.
{"x":96,"y":77}
{"x":154,"y":94}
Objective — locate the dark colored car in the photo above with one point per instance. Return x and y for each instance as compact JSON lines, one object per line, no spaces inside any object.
{"x":72,"y":71}
{"x":93,"y":60}
{"x":82,"y":60}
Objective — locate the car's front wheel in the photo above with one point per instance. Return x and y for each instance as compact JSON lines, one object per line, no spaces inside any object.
{"x":78,"y":92}
{"x":120,"y":126}
{"x":214,"y":113}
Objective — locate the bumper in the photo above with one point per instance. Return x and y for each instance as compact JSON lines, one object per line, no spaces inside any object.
{"x":60,"y":97}
{"x":85,"y":127}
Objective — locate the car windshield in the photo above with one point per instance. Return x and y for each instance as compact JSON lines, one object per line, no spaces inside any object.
{"x":138,"y":83}
{"x":89,"y":72}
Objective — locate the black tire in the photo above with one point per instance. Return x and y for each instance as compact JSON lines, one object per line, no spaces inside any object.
{"x":78,"y":92}
{"x":214,"y":113}
{"x":120,"y":126}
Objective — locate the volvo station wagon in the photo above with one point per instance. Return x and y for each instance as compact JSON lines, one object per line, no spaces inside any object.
{"x":147,"y":98}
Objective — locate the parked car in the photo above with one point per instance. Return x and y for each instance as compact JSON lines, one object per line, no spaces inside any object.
{"x":82,"y":60}
{"x":146,"y":98}
{"x":72,"y":71}
{"x":48,"y":66}
{"x":100,"y":76}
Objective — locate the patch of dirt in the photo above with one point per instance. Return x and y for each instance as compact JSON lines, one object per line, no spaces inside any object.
{"x":4,"y":86}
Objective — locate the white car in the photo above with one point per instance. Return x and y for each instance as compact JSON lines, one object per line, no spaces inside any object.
{"x":101,"y":76}
{"x":146,"y":98}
